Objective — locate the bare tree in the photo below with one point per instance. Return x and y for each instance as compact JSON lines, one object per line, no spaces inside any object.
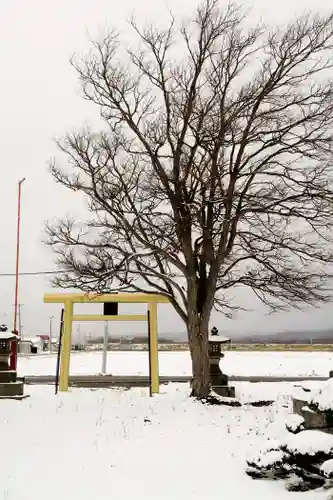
{"x":213,"y":168}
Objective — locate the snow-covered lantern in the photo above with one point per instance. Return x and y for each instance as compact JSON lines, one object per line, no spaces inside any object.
{"x":215,"y":342}
{"x":6,"y":339}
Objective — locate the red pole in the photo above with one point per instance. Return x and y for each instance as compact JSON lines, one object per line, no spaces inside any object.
{"x":13,"y":355}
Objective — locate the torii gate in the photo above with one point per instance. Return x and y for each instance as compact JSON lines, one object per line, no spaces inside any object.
{"x":69,"y":299}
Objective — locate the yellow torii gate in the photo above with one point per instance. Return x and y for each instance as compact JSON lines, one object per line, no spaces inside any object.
{"x":69,"y":299}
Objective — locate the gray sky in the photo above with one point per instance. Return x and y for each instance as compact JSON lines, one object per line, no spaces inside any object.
{"x":39,"y":100}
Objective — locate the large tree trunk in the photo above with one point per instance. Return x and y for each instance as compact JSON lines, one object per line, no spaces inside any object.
{"x":198,"y":341}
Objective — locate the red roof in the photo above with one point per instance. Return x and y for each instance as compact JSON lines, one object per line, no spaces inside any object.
{"x":44,"y":337}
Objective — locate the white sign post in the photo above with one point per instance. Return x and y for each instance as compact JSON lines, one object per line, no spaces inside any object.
{"x":105,"y":347}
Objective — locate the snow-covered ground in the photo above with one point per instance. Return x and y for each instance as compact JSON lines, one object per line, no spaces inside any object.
{"x":126,"y":446}
{"x":178,"y":363}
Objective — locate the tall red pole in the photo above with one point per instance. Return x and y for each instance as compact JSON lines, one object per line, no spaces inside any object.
{"x":13,"y":354}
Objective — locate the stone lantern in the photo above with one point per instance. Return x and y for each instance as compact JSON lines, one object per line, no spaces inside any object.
{"x":6,"y":339}
{"x":10,"y":387}
{"x":218,"y":379}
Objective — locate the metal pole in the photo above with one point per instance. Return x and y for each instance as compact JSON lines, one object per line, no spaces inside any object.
{"x":59,"y":350}
{"x":78,"y":331}
{"x":50,"y":333}
{"x":20,"y":321}
{"x":13,"y":356}
{"x":105,"y":347}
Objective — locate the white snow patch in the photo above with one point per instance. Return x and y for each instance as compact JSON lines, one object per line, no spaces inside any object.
{"x":219,"y":339}
{"x":268,"y":458}
{"x":324,"y":396}
{"x":267,"y":448}
{"x":8,"y":336}
{"x":327,"y":468}
{"x":306,"y":408}
{"x":294,"y":422}
{"x":309,"y":442}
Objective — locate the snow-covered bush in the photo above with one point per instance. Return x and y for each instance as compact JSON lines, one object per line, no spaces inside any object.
{"x":322,"y":401}
{"x":295,"y":424}
{"x":306,"y":456}
{"x":268,"y":462}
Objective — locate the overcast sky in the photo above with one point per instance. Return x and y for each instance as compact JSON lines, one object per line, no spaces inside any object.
{"x":38,"y":101}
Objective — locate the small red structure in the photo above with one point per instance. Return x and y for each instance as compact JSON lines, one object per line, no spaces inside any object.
{"x":46,"y":338}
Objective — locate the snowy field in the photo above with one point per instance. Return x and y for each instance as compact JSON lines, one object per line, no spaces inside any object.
{"x":178,"y":363}
{"x":123,"y":445}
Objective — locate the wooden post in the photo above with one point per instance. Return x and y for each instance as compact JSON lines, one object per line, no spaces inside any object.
{"x":66,"y":346}
{"x":153,"y":347}
{"x":149,"y":356}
